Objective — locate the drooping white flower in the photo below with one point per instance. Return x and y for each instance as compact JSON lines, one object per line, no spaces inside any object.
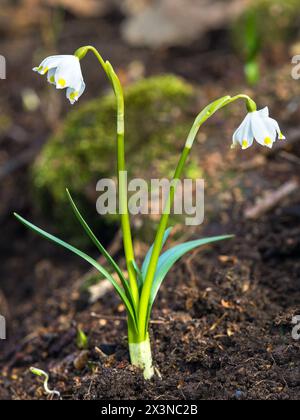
{"x":64,"y":71}
{"x":260,"y":127}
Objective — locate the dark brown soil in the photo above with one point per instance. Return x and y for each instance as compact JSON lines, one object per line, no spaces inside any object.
{"x":223,"y":321}
{"x":222,"y":330}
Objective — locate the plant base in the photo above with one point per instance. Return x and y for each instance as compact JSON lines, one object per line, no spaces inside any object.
{"x":141,"y":357}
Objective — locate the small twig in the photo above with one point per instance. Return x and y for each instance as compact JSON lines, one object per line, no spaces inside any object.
{"x":23,"y":159}
{"x":189,"y":265}
{"x":101,"y":354}
{"x":158,"y":372}
{"x":271,"y":200}
{"x":124,"y":319}
{"x":257,"y":162}
{"x":290,"y":157}
{"x":216,"y":324}
{"x":108,"y":317}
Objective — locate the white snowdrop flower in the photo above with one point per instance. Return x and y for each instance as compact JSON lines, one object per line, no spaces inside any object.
{"x":64,"y":71}
{"x":260,"y":127}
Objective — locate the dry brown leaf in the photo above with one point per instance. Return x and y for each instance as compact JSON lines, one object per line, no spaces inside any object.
{"x":225,"y":259}
{"x":246,"y":287}
{"x":227,"y":305}
{"x":230,"y":333}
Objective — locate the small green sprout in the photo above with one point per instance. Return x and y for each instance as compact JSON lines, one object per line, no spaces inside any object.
{"x":138,"y":289}
{"x":42,"y":374}
{"x":248,"y":34}
{"x":82,"y":341}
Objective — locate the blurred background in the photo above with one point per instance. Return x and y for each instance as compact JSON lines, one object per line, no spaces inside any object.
{"x":173,"y":57}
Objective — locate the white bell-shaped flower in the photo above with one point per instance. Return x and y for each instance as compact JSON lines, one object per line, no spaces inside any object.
{"x":260,"y":127}
{"x":64,"y":71}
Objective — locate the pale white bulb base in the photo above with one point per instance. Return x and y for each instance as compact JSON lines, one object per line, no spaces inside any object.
{"x":141,"y":357}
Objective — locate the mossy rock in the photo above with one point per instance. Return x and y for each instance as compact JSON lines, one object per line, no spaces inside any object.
{"x":84,"y":150}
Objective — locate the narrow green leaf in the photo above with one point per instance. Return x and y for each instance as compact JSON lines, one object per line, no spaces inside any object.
{"x":149,"y":253}
{"x":98,"y":244}
{"x":170,"y":257}
{"x":138,"y":274}
{"x":84,"y":256}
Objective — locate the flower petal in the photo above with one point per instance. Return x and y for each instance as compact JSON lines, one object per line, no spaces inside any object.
{"x":73,"y":95}
{"x":277,"y":128}
{"x":49,"y":63}
{"x":68,"y":74}
{"x":264,"y":133}
{"x":243,"y":134}
{"x":64,"y":71}
{"x":51,"y":76}
{"x":264,"y":113}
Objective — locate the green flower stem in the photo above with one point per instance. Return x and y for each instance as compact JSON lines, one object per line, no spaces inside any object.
{"x":144,"y":316}
{"x":123,"y":197}
{"x":145,"y":296}
{"x":125,"y":220}
{"x":250,"y":104}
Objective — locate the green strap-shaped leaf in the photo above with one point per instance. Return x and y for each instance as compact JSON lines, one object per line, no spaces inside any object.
{"x":84,"y":256}
{"x":170,"y":257}
{"x":98,"y":244}
{"x":149,"y":253}
{"x":138,"y":273}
